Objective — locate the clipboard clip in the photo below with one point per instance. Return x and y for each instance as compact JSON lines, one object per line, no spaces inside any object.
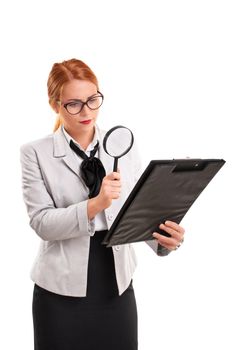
{"x":192,"y":165}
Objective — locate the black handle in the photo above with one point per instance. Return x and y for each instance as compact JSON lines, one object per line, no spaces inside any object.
{"x":115,"y":163}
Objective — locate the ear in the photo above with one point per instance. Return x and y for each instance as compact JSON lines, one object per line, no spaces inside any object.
{"x":55,"y":105}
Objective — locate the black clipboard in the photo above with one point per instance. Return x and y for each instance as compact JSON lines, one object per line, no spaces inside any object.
{"x":165,"y":191}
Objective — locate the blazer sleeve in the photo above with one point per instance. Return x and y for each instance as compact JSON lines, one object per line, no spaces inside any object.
{"x":49,"y":222}
{"x":153,"y":244}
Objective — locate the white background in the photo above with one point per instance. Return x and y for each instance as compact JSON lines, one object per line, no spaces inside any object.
{"x":165,"y":68}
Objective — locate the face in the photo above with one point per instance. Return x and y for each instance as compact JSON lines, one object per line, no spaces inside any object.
{"x":84,"y":121}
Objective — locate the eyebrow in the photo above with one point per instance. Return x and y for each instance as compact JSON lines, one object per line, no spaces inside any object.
{"x":77,"y":99}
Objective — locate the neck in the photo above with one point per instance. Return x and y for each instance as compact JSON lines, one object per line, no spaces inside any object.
{"x":83,"y":138}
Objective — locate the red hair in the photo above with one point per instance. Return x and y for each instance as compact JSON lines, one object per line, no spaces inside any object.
{"x":64,"y":72}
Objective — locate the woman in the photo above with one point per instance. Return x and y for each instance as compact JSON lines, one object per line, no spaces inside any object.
{"x":83,"y":294}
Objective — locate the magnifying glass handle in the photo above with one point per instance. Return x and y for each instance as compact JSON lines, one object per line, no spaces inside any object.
{"x":115,"y":164}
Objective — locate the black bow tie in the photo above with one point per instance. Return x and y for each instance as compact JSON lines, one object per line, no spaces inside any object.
{"x":92,"y":169}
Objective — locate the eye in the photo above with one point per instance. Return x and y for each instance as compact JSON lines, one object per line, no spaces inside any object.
{"x":75,"y":104}
{"x":73,"y":107}
{"x":93,"y":98}
{"x":94,"y":101}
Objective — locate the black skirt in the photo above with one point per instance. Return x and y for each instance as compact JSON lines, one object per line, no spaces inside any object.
{"x":101,"y":320}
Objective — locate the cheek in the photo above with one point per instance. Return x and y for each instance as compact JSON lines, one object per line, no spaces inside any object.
{"x":95,"y":114}
{"x":67,"y":120}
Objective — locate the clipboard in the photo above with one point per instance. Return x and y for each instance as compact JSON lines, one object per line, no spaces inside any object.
{"x":165,"y":191}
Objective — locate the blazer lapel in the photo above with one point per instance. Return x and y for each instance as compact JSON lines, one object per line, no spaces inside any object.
{"x":63,"y":150}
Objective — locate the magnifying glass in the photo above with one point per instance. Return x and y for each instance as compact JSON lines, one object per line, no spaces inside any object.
{"x":117,"y":142}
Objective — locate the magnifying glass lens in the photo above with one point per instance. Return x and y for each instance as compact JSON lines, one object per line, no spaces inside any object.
{"x":117,"y":142}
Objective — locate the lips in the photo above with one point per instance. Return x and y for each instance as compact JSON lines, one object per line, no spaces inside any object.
{"x":86,"y":121}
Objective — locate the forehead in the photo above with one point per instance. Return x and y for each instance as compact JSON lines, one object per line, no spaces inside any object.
{"x":78,"y":89}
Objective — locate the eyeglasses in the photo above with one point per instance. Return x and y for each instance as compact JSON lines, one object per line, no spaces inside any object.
{"x":75,"y":106}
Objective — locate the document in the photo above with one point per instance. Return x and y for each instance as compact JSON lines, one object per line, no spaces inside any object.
{"x":165,"y":191}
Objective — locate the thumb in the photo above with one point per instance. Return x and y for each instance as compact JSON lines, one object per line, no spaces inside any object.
{"x":114,"y":176}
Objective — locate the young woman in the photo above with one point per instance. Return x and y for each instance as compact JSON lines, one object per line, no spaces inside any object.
{"x":83,"y":295}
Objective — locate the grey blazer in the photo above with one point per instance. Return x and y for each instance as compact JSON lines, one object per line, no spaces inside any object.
{"x":56,"y":201}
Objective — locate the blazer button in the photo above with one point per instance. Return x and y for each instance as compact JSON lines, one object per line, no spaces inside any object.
{"x":117,"y":247}
{"x":110,"y":217}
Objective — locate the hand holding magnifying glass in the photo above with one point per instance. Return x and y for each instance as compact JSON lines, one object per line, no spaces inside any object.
{"x":117,"y":142}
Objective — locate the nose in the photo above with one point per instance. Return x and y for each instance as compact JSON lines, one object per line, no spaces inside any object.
{"x":84,"y":111}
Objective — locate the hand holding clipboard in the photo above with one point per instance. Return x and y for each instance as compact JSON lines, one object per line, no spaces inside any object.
{"x":165,"y":191}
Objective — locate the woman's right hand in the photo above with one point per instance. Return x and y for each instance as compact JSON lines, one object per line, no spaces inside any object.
{"x":110,"y":189}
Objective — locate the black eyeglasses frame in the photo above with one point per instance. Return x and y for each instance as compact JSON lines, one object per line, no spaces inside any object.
{"x":85,"y":103}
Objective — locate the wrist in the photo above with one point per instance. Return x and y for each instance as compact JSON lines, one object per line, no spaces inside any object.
{"x":93,"y":207}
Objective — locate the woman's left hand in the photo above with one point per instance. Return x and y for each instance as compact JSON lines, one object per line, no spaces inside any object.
{"x":176,"y":232}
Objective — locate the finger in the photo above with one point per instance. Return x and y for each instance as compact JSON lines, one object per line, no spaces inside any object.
{"x":173,"y":233}
{"x":170,"y":243}
{"x":165,"y":241}
{"x":110,"y":191}
{"x":113,"y":176}
{"x":115,"y":183}
{"x":169,"y":247}
{"x":175,"y":226}
{"x":115,"y":195}
{"x":115,"y":190}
